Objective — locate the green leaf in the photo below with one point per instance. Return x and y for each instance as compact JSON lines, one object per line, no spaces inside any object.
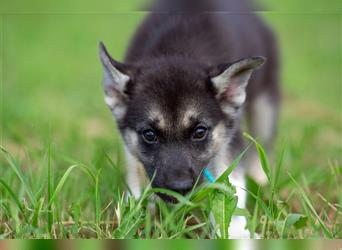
{"x":205,"y":191}
{"x":223,"y":207}
{"x":262,"y":156}
{"x":242,"y":212}
{"x":296,"y":220}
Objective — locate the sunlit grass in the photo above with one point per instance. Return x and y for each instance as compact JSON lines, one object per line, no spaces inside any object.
{"x":39,"y":206}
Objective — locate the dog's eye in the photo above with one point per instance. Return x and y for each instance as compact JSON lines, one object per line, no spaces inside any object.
{"x":149,"y":136}
{"x":200,"y":133}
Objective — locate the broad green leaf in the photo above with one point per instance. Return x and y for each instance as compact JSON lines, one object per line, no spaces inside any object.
{"x":223,"y":210}
{"x":223,"y":207}
{"x":296,"y":220}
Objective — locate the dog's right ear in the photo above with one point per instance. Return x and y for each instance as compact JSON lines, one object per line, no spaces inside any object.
{"x":231,"y":82}
{"x":114,"y":83}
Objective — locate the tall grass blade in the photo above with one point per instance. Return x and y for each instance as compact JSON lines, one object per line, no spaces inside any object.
{"x":262,"y":156}
{"x":97,"y":204}
{"x":14,"y":197}
{"x":307,"y":201}
{"x":278,"y":168}
{"x":20,"y":175}
{"x":37,"y":210}
{"x":232,"y":166}
{"x":49,"y":187}
{"x":174,"y":194}
{"x":254,"y":219}
{"x":61,"y":183}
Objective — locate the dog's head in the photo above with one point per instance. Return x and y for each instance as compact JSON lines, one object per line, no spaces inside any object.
{"x":175,"y":115}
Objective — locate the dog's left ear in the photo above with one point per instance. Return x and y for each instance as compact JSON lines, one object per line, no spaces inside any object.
{"x":231,"y":82}
{"x":115,"y":83}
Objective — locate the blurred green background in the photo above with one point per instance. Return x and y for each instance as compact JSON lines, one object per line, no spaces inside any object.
{"x":51,"y":90}
{"x":51,"y":75}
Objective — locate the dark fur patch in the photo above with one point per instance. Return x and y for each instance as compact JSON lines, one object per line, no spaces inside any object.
{"x":170,"y":62}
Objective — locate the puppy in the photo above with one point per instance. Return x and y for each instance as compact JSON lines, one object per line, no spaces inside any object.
{"x":186,"y":82}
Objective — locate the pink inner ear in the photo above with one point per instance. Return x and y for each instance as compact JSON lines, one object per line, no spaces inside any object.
{"x":228,"y":92}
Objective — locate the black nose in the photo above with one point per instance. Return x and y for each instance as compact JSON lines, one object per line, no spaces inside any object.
{"x":181,"y":186}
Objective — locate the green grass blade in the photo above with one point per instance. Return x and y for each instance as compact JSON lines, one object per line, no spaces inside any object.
{"x":174,"y":194}
{"x":254,"y":219}
{"x":203,"y":191}
{"x":97,"y":204}
{"x":88,"y":170}
{"x":307,"y":201}
{"x":262,"y":156}
{"x":261,"y":202}
{"x":49,"y":187}
{"x":20,"y":175}
{"x":278,"y":168}
{"x":232,"y":166}
{"x":61,"y":183}
{"x":37,"y":210}
{"x":14,"y":197}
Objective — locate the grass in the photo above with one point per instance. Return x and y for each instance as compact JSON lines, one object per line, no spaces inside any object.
{"x":61,"y":160}
{"x":40,"y":210}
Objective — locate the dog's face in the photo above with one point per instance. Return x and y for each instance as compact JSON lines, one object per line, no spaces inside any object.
{"x":175,"y":116}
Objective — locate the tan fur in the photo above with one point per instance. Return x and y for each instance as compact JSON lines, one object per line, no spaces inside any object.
{"x":134,"y":177}
{"x":185,"y":117}
{"x":136,"y":174}
{"x":156,"y":115}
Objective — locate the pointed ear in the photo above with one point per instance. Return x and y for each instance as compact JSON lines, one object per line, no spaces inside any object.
{"x":231,"y":83}
{"x":114,"y":83}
